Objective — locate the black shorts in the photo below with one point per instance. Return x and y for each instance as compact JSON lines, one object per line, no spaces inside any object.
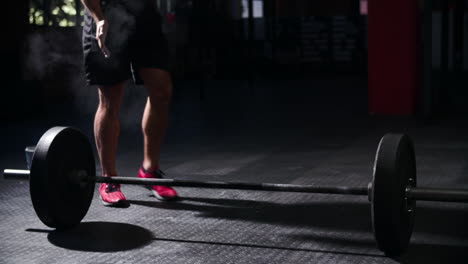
{"x":135,"y":40}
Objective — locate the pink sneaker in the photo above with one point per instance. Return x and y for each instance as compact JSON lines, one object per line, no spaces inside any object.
{"x":160,"y":192}
{"x":111,"y":194}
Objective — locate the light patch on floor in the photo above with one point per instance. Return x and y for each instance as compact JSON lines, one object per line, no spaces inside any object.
{"x":218,"y":164}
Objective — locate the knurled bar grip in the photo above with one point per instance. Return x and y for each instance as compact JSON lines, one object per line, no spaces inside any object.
{"x":236,"y":185}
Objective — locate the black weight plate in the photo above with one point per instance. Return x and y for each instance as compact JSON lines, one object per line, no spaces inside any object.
{"x":392,"y":212}
{"x":59,"y":201}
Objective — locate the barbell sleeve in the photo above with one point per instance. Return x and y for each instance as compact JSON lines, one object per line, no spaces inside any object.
{"x":237,"y":185}
{"x":438,"y":195}
{"x":11,"y":174}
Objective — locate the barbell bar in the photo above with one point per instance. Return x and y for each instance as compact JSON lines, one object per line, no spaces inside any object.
{"x":63,"y":175}
{"x":417,"y":193}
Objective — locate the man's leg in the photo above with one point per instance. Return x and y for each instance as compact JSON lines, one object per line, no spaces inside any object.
{"x":106,"y":133}
{"x":156,"y":114}
{"x":154,"y":125}
{"x":107,"y":126}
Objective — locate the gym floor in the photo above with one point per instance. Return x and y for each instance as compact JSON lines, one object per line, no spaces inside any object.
{"x":225,"y":131}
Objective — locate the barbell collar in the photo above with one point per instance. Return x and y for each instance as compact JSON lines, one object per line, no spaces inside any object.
{"x":438,"y":195}
{"x":237,"y":185}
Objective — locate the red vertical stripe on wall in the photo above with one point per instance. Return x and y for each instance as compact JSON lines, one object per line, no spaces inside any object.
{"x":393,"y":56}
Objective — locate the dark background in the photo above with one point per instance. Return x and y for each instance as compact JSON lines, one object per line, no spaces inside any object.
{"x":218,"y":41}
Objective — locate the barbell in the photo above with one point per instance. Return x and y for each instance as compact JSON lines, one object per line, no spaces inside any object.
{"x":62,"y":180}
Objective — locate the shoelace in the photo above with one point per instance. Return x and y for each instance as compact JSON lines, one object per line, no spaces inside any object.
{"x":112,"y":188}
{"x":159,"y":173}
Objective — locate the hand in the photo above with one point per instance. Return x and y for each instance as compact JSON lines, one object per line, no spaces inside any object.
{"x":101,"y":33}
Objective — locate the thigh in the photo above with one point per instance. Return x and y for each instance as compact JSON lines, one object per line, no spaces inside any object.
{"x":111,"y":96}
{"x":149,"y":48}
{"x":158,"y":82}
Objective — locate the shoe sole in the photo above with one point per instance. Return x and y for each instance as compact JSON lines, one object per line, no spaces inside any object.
{"x":159,"y":197}
{"x":117,"y":204}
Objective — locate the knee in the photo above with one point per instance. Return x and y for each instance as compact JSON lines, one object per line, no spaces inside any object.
{"x":109,"y":108}
{"x":159,"y":85}
{"x":161,"y":94}
{"x":110,"y":98}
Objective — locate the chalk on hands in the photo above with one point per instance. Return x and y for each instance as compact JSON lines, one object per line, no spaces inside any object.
{"x":106,"y":52}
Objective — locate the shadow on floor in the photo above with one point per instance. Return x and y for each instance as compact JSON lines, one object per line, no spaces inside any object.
{"x":317,"y":214}
{"x":435,"y":254}
{"x":258,"y":246}
{"x":101,"y":237}
{"x":333,"y":215}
